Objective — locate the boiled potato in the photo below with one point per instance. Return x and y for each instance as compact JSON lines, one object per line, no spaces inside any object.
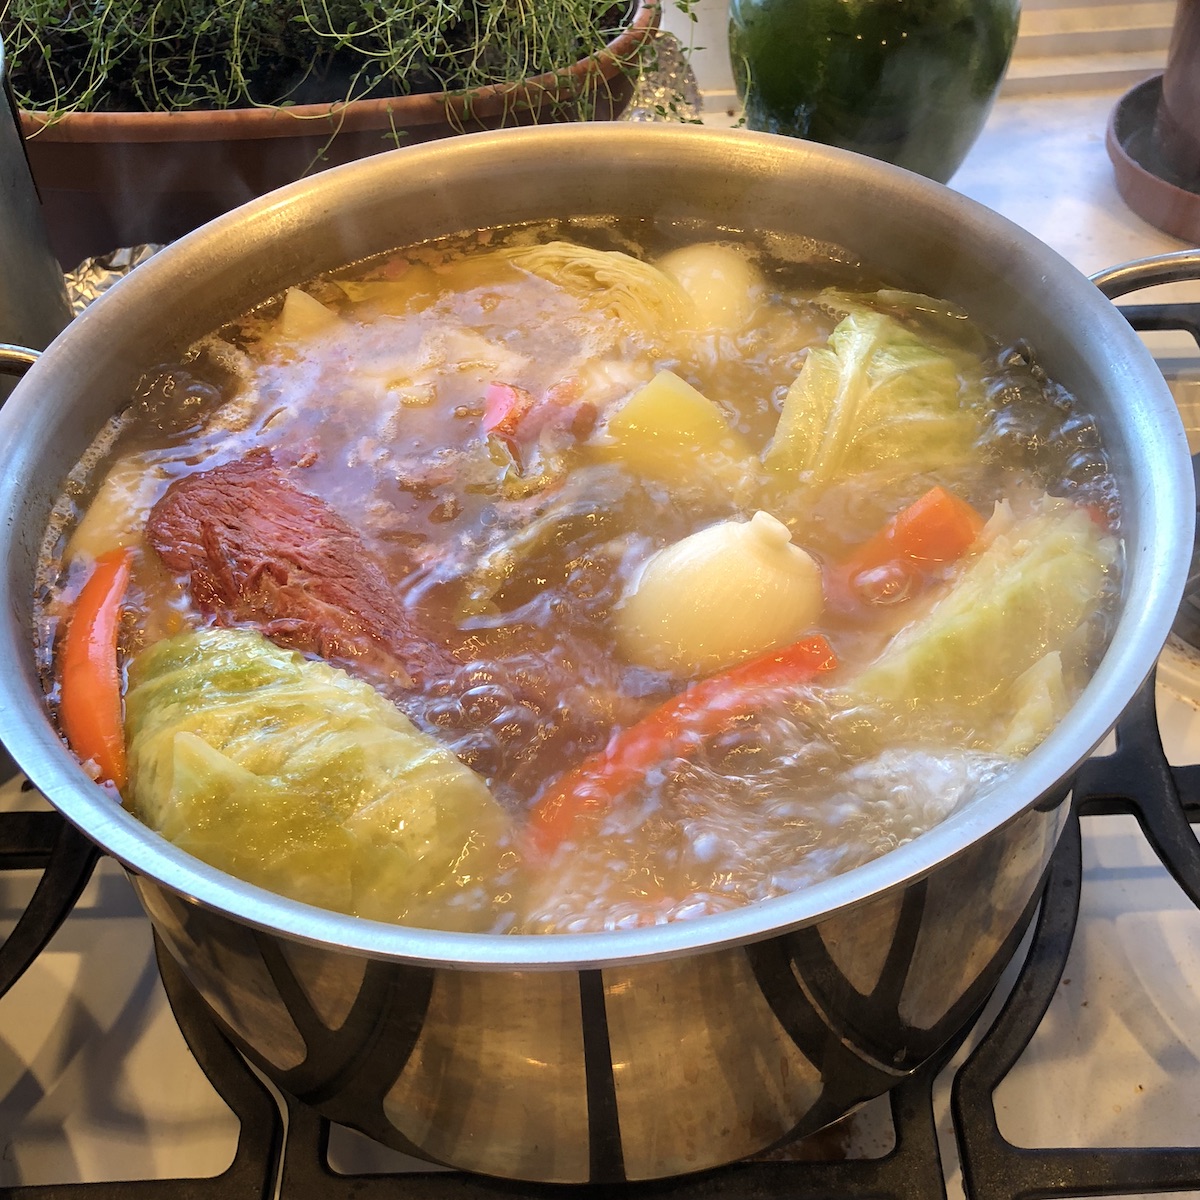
{"x":667,"y":427}
{"x":303,"y":316}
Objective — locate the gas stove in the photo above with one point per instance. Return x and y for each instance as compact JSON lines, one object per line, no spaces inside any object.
{"x":1081,"y":1074}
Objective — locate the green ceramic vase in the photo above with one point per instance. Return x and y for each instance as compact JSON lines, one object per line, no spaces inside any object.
{"x":910,"y":82}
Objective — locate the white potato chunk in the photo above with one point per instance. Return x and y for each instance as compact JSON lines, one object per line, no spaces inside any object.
{"x":303,"y":316}
{"x":117,"y":516}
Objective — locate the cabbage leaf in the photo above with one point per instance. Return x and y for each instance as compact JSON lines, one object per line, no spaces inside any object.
{"x":295,"y":776}
{"x":638,"y":294}
{"x":995,"y":663}
{"x":877,"y":393}
{"x":940,"y":320}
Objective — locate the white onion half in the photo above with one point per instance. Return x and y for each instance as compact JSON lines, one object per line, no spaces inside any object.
{"x":727,"y":593}
{"x":723,"y":285}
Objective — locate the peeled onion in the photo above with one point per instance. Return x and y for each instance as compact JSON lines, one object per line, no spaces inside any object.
{"x":721,"y":282}
{"x":727,"y":593}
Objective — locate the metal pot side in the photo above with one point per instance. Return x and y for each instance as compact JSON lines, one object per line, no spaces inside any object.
{"x":659,"y":1051}
{"x":631,"y":1071}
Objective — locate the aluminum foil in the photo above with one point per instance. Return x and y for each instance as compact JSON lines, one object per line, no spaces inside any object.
{"x":666,"y":88}
{"x":94,"y":276}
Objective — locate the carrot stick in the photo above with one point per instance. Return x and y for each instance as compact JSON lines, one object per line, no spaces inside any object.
{"x":670,"y":731}
{"x":90,"y":706}
{"x":937,"y":528}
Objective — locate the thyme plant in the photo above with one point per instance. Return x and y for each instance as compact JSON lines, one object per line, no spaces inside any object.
{"x":174,"y":55}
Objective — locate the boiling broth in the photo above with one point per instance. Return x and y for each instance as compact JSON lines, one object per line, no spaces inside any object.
{"x":473,"y":456}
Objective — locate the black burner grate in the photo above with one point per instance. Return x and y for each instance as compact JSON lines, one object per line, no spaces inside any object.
{"x":1135,"y":780}
{"x":44,"y":841}
{"x":1138,"y":781}
{"x":41,"y":841}
{"x":911,"y":1171}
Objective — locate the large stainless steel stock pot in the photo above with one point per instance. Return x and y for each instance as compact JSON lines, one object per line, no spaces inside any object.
{"x":33,"y":297}
{"x":664,"y":1050}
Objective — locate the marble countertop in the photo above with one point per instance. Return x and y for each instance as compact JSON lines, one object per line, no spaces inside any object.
{"x":1041,"y":162}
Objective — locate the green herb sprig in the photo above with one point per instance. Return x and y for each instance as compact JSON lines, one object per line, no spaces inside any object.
{"x":177,"y":55}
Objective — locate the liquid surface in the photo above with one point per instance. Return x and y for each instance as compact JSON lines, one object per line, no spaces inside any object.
{"x":425,"y":558}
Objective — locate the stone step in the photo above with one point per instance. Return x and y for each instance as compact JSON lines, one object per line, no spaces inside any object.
{"x":1080,"y":72}
{"x":1076,"y":30}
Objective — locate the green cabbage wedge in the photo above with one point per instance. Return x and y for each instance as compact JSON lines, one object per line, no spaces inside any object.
{"x":996,"y":662}
{"x":643,"y":298}
{"x":293,"y":775}
{"x":876,"y":394}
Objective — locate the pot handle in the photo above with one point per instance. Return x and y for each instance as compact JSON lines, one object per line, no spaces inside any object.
{"x":16,"y":360}
{"x":1147,"y":272}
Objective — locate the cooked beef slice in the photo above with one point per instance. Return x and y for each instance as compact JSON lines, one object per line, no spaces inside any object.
{"x":257,"y":550}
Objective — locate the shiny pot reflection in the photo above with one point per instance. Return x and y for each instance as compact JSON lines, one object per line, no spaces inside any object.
{"x":656,"y":1051}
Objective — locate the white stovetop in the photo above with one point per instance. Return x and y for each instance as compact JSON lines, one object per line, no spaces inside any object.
{"x":95,"y":1081}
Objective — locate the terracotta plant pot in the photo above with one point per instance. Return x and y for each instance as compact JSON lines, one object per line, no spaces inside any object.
{"x":112,"y":179}
{"x":1153,"y":136}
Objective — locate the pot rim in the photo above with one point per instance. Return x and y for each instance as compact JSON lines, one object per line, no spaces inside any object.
{"x":1147,"y":611}
{"x":377,"y":113}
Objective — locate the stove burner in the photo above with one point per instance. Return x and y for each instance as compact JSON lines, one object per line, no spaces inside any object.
{"x":41,"y":841}
{"x":1136,"y":779}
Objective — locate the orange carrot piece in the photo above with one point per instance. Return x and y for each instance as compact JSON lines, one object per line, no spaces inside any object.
{"x":903,"y":555}
{"x":937,"y":528}
{"x":669,"y":731}
{"x":90,"y":706}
